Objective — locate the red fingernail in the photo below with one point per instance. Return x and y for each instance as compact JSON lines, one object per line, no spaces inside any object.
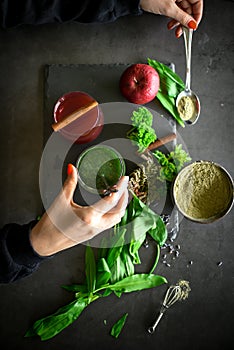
{"x":192,"y":24}
{"x":69,"y":169}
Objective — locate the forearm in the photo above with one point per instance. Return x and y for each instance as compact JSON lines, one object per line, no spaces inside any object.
{"x":46,"y":240}
{"x":17,"y":256}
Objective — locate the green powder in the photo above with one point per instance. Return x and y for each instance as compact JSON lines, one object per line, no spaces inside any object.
{"x":186,"y":107}
{"x":203,"y":190}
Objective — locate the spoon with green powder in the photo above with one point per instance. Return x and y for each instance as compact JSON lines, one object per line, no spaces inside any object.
{"x":187,"y":102}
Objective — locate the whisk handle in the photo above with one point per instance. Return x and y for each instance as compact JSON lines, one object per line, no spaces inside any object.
{"x":153,"y":327}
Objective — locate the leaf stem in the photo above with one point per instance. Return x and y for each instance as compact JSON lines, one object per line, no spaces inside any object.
{"x":156,"y":258}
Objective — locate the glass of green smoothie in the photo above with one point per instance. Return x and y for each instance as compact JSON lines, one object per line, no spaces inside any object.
{"x":100,"y":168}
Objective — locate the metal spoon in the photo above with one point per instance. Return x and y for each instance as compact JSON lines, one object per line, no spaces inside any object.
{"x":188,"y":34}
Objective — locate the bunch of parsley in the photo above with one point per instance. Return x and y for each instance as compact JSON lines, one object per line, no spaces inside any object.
{"x":142,"y":134}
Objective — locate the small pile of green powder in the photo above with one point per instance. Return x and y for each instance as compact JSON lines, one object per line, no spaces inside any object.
{"x":203,"y":190}
{"x":186,"y":107}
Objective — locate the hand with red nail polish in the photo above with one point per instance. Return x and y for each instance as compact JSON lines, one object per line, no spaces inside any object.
{"x":186,"y":13}
{"x":66,"y":223}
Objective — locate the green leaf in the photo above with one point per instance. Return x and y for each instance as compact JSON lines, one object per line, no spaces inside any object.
{"x":170,"y":86}
{"x":102,"y":251}
{"x":127,"y":260}
{"x":117,"y":270}
{"x":124,"y":219}
{"x":159,"y":232}
{"x":103,"y":272}
{"x":168,"y":103}
{"x":137,"y":282}
{"x":149,"y":221}
{"x":134,"y":248}
{"x":164,"y":70}
{"x":90,"y":269}
{"x":118,"y":326}
{"x":115,"y":251}
{"x":51,"y":325}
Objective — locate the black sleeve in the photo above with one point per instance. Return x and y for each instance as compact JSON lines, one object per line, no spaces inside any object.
{"x":18,"y":12}
{"x":17,"y":256}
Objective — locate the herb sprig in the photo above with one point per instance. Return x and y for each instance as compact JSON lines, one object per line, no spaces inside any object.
{"x":171,"y":163}
{"x":142,"y":134}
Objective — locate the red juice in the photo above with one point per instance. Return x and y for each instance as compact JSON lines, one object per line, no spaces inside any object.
{"x":87,"y":127}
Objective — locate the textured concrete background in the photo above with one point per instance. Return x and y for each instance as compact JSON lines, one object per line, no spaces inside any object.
{"x":206,"y":319}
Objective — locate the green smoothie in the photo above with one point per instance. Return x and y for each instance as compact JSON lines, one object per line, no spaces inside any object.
{"x":100,"y":167}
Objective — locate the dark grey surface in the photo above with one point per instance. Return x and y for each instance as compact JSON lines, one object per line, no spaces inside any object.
{"x":206,"y":319}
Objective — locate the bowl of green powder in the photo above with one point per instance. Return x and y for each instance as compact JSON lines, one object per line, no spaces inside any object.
{"x":203,"y":191}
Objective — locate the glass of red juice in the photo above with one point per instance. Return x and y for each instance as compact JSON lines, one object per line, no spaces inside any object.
{"x":87,"y":127}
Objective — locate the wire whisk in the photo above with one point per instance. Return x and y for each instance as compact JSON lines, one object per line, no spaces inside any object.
{"x":174,"y":293}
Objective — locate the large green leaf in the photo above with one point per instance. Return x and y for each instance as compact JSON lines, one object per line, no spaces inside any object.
{"x":51,"y":325}
{"x":137,"y":282}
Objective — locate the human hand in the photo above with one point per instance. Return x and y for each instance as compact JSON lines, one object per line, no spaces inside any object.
{"x":66,"y":223}
{"x":186,"y":13}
